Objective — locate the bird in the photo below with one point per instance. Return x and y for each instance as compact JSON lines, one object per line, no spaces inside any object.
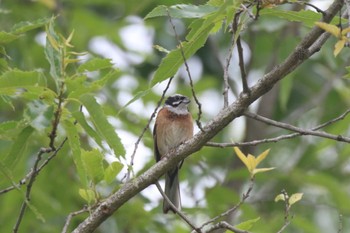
{"x":173,"y":126}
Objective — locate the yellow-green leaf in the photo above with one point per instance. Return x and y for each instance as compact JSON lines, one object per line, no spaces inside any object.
{"x":246,"y":225}
{"x":262,"y":156}
{"x":295,"y":198}
{"x":88,"y":195}
{"x":112,"y":171}
{"x":241,"y":156}
{"x":280,"y":197}
{"x":257,"y":170}
{"x":339,"y":46}
{"x":334,"y":30}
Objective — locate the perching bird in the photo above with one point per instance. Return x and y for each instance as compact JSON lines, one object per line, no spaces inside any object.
{"x":173,"y":126}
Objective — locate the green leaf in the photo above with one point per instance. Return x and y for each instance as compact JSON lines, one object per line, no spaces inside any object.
{"x":112,"y":171}
{"x":53,"y":53}
{"x":172,"y":62}
{"x":78,"y":86}
{"x":307,"y":17}
{"x":79,"y":116}
{"x":74,"y":144}
{"x":195,"y":40}
{"x":6,"y":37}
{"x":93,"y":162}
{"x":247,"y":225}
{"x":103,"y":127}
{"x":95,"y":64}
{"x":29,"y":84}
{"x":181,"y":11}
{"x":25,"y":26}
{"x":7,"y":128}
{"x":18,"y":147}
{"x":19,"y":78}
{"x":88,"y":195}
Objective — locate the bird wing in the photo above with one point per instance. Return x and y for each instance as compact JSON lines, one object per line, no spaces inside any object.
{"x":155,"y":146}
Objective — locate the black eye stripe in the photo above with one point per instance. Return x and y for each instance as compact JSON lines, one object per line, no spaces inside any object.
{"x":175,"y":100}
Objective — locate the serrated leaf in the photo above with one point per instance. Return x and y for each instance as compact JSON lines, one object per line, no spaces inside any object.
{"x":161,"y":49}
{"x":93,"y":163}
{"x":88,"y":195}
{"x":112,"y":171}
{"x":6,"y":128}
{"x":280,"y":197}
{"x":79,"y":86}
{"x":104,"y":128}
{"x":247,"y":225}
{"x":25,"y":26}
{"x":79,"y":116}
{"x":29,"y":84}
{"x":95,"y":64}
{"x":18,"y":147}
{"x":7,"y":100}
{"x":19,"y":78}
{"x":6,"y":37}
{"x":74,"y":144}
{"x":53,"y":52}
{"x":181,"y":11}
{"x":307,"y":17}
{"x":295,"y":198}
{"x":172,"y":62}
{"x":195,"y":40}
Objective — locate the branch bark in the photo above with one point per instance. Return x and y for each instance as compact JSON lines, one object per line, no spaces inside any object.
{"x":303,"y":51}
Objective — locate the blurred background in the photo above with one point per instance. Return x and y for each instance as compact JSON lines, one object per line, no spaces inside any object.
{"x":213,"y":179}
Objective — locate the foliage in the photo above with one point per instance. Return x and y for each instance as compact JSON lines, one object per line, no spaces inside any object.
{"x":75,"y":96}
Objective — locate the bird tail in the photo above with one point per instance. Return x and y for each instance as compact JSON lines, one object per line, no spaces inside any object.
{"x":172,"y":191}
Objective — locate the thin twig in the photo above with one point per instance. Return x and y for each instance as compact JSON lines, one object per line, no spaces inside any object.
{"x":226,"y":67}
{"x":29,"y":188}
{"x":199,"y":124}
{"x":279,"y":138}
{"x":240,"y":55}
{"x":286,"y":211}
{"x":282,"y":125}
{"x":56,"y":120}
{"x":131,"y":164}
{"x":234,"y":208}
{"x":225,"y":225}
{"x":173,"y":207}
{"x":71,"y":215}
{"x":310,"y":5}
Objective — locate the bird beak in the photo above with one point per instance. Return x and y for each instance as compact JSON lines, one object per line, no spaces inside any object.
{"x":186,"y":101}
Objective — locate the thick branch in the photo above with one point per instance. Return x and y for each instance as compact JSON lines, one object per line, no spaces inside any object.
{"x":133,"y":187}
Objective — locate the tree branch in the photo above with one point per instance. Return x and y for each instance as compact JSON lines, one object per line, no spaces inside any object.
{"x":297,"y":129}
{"x":225,"y":116}
{"x":225,"y":225}
{"x":279,"y":138}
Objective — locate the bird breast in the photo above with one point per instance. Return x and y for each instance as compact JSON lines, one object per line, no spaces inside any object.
{"x":176,"y":130}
